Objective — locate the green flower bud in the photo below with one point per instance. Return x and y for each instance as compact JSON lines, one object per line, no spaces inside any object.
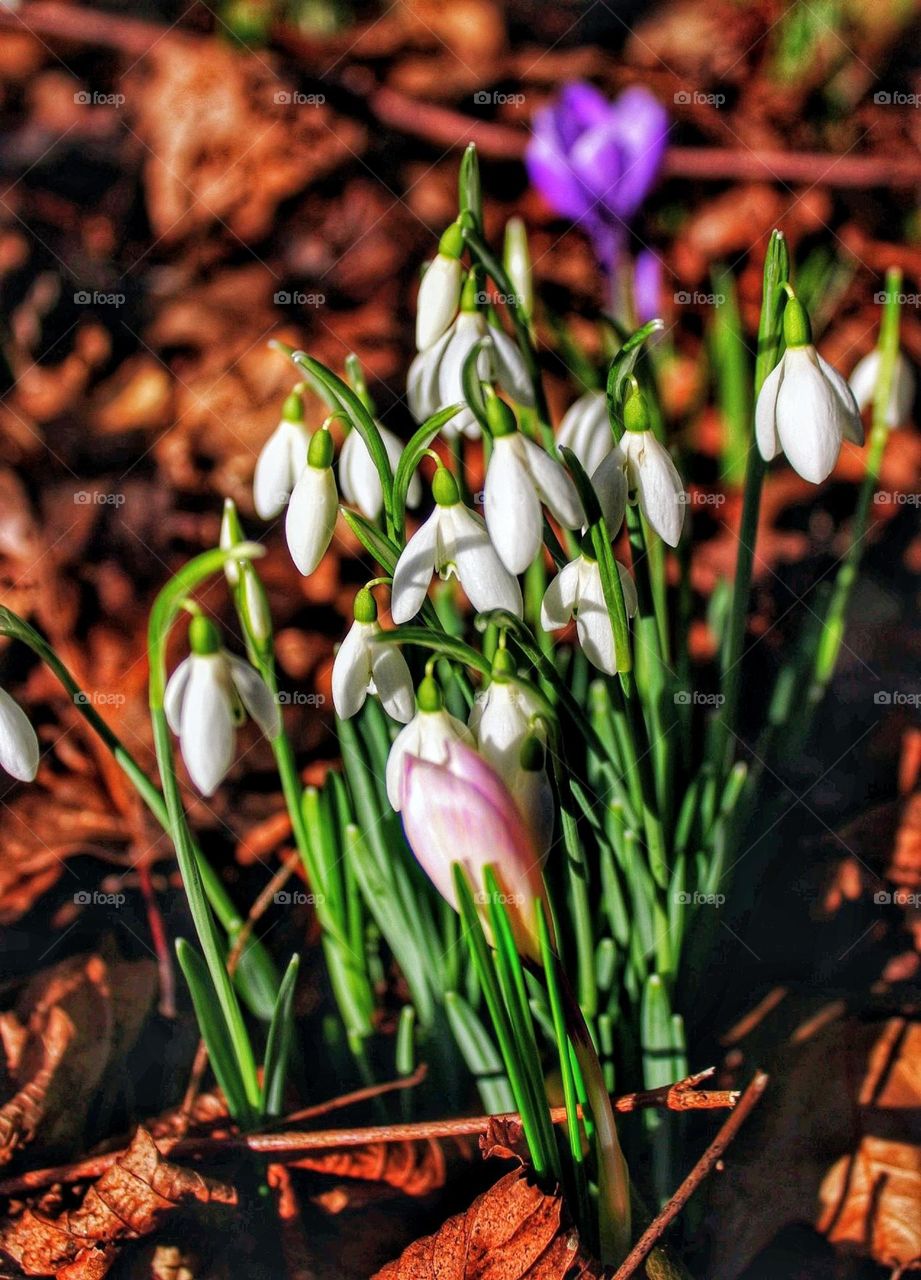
{"x":320,"y":453}
{"x":797,"y":331}
{"x":204,"y":637}
{"x":444,"y":488}
{"x":428,"y":695}
{"x":364,"y":608}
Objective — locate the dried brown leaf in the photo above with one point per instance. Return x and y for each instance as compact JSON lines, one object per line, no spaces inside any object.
{"x":416,"y":1168}
{"x":131,"y":1199}
{"x":513,"y":1231}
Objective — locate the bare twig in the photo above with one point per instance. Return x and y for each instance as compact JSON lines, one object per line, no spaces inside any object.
{"x":702,"y":1168}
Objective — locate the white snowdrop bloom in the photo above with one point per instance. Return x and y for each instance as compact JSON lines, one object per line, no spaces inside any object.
{"x":435,"y":377}
{"x":517,"y":259}
{"x":652,"y":478}
{"x":609,"y":480}
{"x":901,"y":393}
{"x":440,"y":289}
{"x":506,"y":720}
{"x":204,"y":701}
{"x":585,"y":430}
{"x":358,"y":475}
{"x":314,"y":505}
{"x":453,"y":540}
{"x":577,"y":592}
{"x":805,"y":407}
{"x":427,"y":737}
{"x":520,"y":476}
{"x":364,"y":665}
{"x":281,"y":461}
{"x":19,"y":749}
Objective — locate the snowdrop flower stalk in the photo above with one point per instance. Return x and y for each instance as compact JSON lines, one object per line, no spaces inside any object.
{"x":452,"y":541}
{"x":507,"y":720}
{"x":19,"y":751}
{"x":314,"y":504}
{"x":427,"y":737}
{"x":458,"y":810}
{"x":652,"y":479}
{"x":364,"y":665}
{"x":440,"y":289}
{"x":577,"y":592}
{"x":805,"y":407}
{"x":204,"y":703}
{"x":436,"y":375}
{"x":520,"y":476}
{"x":863,"y":382}
{"x":283,"y":458}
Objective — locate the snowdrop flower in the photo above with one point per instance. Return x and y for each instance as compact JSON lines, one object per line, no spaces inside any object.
{"x":586,"y":431}
{"x":204,"y":702}
{"x":517,"y":261}
{"x":283,"y":458}
{"x":440,"y":289}
{"x":651,"y":477}
{"x":364,"y":665}
{"x":428,"y":736}
{"x":520,"y":476}
{"x":507,"y":721}
{"x":453,"y":540}
{"x":245,"y":584}
{"x":577,"y":592}
{"x":19,"y":749}
{"x":436,"y":375}
{"x":458,"y":810}
{"x":358,"y":475}
{"x":805,"y":407}
{"x":314,"y":505}
{"x":901,"y":394}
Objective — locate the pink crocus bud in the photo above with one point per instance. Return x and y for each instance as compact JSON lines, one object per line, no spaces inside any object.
{"x":461,"y":811}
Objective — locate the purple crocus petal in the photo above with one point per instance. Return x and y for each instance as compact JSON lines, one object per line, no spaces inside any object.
{"x":647,"y":286}
{"x":551,"y":173}
{"x":642,"y":131}
{"x":462,"y":812}
{"x":599,"y":158}
{"x":580,"y":106}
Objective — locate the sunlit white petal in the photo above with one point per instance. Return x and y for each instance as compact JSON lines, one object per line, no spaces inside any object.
{"x":511,"y":505}
{"x":484,"y":577}
{"x":311,"y":517}
{"x":414,"y":570}
{"x":255,"y":695}
{"x":19,"y":750}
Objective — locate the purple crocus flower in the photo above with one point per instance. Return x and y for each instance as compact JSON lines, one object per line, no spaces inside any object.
{"x":647,"y":286}
{"x":594,"y":160}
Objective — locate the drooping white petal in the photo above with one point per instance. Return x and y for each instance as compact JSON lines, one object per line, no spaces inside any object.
{"x":560,"y":597}
{"x":311,"y":517}
{"x":851,"y":425}
{"x":19,"y":750}
{"x":512,"y":509}
{"x":281,"y":461}
{"x":901,"y":397}
{"x":659,"y":490}
{"x":510,"y":368}
{"x":502,"y":716}
{"x":609,"y":480}
{"x":439,"y":294}
{"x":207,"y":732}
{"x":484,"y":577}
{"x":593,"y":622}
{"x":392,"y":681}
{"x":422,"y":383}
{"x":352,"y":670}
{"x":586,"y":431}
{"x":255,"y":695}
{"x":808,"y":417}
{"x":468,"y":329}
{"x":553,"y":483}
{"x":414,"y":570}
{"x":766,"y":413}
{"x":174,"y":694}
{"x":427,"y":736}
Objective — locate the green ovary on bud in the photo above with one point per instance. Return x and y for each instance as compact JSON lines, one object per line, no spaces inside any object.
{"x":503,"y":665}
{"x":444,"y":488}
{"x":429,"y":697}
{"x":451,"y":244}
{"x":204,"y":637}
{"x":364,"y":607}
{"x":320,"y":452}
{"x":500,"y":417}
{"x":797,"y":331}
{"x":636,"y":412}
{"x":470,"y":294}
{"x":293,"y":408}
{"x":533,"y":754}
